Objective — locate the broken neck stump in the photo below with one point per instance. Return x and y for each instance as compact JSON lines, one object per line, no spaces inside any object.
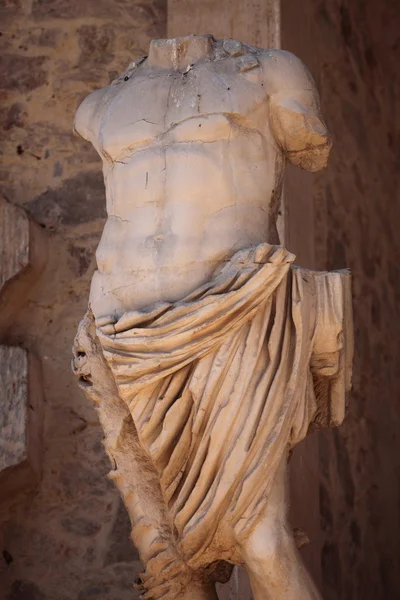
{"x":207,"y":354}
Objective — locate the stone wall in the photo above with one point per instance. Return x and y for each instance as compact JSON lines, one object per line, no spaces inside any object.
{"x":68,"y":540}
{"x":352,"y":47}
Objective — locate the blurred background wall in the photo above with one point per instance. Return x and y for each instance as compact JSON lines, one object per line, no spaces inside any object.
{"x":352,"y":48}
{"x":68,"y":539}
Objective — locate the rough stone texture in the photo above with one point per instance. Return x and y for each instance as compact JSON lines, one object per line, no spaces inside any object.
{"x":21,"y":418}
{"x":108,"y":125}
{"x":22,"y":260}
{"x":21,"y":405}
{"x":80,"y":199}
{"x":69,"y":539}
{"x":357,"y":212}
{"x":22,"y":73}
{"x":14,"y":386}
{"x":357,"y":73}
{"x":254,"y":22}
{"x":14,"y":241}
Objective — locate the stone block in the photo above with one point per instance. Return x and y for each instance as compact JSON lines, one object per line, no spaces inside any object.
{"x":14,"y":240}
{"x":22,"y":73}
{"x":25,"y":590}
{"x":21,"y":420}
{"x":120,"y":545}
{"x":96,"y":45}
{"x":100,"y":9}
{"x":79,"y":199}
{"x":22,"y":258}
{"x":8,"y":10}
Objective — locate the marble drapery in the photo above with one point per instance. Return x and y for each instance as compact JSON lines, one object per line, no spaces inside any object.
{"x":222,"y":383}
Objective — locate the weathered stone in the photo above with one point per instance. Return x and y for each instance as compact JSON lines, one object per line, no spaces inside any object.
{"x":25,"y":590}
{"x":22,"y":73}
{"x":22,"y":258}
{"x":121,"y":548}
{"x":80,"y":527}
{"x":45,"y":37}
{"x":251,"y":21}
{"x":361,"y":190}
{"x":301,"y":538}
{"x":96,"y":44}
{"x":114,"y":583}
{"x":93,"y":591}
{"x":7,"y":557}
{"x":14,"y":241}
{"x":8,"y":9}
{"x":21,"y":420}
{"x":79,"y":199}
{"x":331,"y":568}
{"x":21,"y":404}
{"x":82,"y":258}
{"x":15,"y":116}
{"x":356,"y":216}
{"x":344,"y":470}
{"x":118,"y":9}
{"x":151,"y":16}
{"x":45,"y":547}
{"x":325,"y":508}
{"x":76,"y":479}
{"x":14,"y":385}
{"x":138,"y":269}
{"x":58,"y":169}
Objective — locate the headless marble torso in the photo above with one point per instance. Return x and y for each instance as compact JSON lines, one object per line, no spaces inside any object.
{"x":193,"y":152}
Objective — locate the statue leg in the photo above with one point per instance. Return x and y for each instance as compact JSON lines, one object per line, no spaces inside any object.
{"x":271,"y":558}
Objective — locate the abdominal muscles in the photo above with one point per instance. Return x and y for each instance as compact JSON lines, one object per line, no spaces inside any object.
{"x":175,"y":214}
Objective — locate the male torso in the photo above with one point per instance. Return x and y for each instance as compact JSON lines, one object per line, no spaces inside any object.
{"x":192,"y":166}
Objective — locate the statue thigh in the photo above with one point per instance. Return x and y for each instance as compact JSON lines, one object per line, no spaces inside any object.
{"x":270,"y":555}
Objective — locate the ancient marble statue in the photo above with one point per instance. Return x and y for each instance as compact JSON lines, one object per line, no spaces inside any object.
{"x":208,"y":355}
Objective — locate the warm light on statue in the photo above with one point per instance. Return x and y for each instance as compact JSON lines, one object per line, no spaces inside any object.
{"x":208,"y":355}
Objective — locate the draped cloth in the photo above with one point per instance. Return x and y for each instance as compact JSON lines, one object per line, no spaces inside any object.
{"x":222,"y":383}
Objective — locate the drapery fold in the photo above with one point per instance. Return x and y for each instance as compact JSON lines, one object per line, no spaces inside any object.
{"x":222,"y":383}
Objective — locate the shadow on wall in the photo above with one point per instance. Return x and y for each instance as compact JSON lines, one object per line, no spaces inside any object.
{"x":357,"y":210}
